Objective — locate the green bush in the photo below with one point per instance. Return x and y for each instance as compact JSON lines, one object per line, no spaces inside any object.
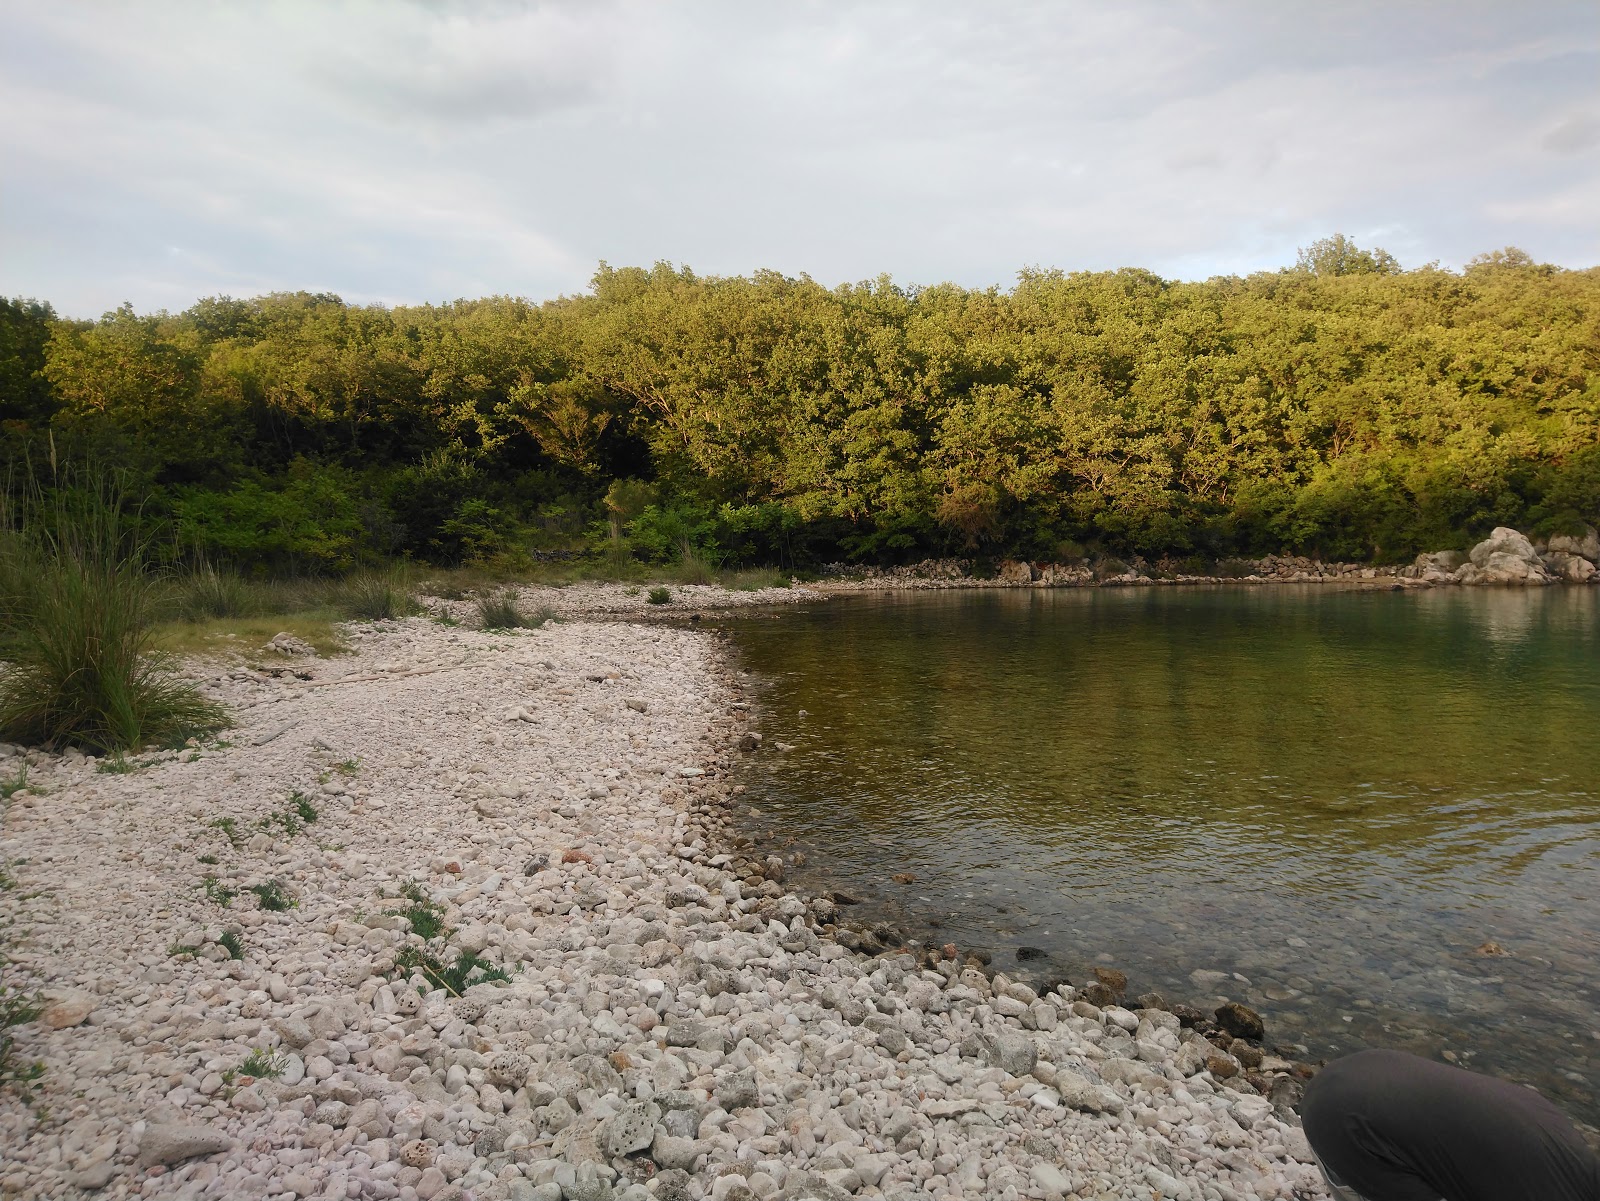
{"x":660,"y":596}
{"x":500,"y":611}
{"x":207,"y":593}
{"x":376,"y":596}
{"x":80,"y":664}
{"x":312,"y":521}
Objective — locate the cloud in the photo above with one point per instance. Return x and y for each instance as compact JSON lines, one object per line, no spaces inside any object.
{"x":421,"y":151}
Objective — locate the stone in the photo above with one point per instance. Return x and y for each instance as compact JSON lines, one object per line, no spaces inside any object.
{"x":1575,"y":569}
{"x":738,"y":1090}
{"x":681,"y":1153}
{"x":631,"y":1129}
{"x":1016,"y":572}
{"x":1078,"y":1092}
{"x":1241,"y":1021}
{"x":170,"y":1144}
{"x":94,"y":1177}
{"x":71,"y":1009}
{"x":1049,"y":1180}
{"x":1585,"y":545}
{"x":1504,"y":557}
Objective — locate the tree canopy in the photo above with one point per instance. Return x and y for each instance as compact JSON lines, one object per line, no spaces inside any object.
{"x":1342,"y":407}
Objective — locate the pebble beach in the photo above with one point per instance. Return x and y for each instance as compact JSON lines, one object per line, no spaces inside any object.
{"x":453,"y":916}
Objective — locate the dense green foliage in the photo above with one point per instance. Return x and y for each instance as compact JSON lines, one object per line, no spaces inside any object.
{"x":1342,"y":407}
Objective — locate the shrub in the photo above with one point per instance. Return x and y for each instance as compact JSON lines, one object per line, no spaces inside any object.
{"x":660,"y":596}
{"x":500,"y":611}
{"x":81,"y":666}
{"x":376,"y":596}
{"x":208,"y":593}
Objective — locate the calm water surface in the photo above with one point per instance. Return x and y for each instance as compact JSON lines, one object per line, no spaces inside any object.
{"x":1335,"y":797}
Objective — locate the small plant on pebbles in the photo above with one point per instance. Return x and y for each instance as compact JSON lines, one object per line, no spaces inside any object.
{"x":424,"y":915}
{"x":273,"y":897}
{"x":230,"y":829}
{"x":659,"y":596}
{"x":347,"y":767}
{"x":217,"y":891}
{"x":17,"y":1008}
{"x":10,"y":788}
{"x":208,"y":860}
{"x":232,"y":943}
{"x":294,"y":817}
{"x":455,"y":978}
{"x":263,"y":1065}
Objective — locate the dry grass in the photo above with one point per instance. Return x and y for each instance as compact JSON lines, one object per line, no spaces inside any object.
{"x":236,"y":637}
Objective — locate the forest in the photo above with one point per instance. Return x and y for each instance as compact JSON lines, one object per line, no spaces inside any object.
{"x":1341,"y":407}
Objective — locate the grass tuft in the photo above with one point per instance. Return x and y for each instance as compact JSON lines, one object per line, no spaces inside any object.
{"x":659,"y":596}
{"x":377,"y":596}
{"x":500,"y":611}
{"x":424,"y":915}
{"x":76,"y":632}
{"x":263,"y":1065}
{"x":274,"y":898}
{"x":230,"y":942}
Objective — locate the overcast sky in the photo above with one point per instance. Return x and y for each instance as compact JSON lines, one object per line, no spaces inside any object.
{"x":396,"y":152}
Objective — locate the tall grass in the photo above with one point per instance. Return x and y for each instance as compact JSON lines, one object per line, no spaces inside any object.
{"x":208,"y":593}
{"x":376,"y":596}
{"x":501,"y":611}
{"x":76,"y":629}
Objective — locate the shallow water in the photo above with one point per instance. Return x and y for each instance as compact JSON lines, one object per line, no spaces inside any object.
{"x":1336,"y":797}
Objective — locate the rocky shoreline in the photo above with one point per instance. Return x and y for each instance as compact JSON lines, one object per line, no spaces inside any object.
{"x":1506,"y":557}
{"x":269,"y":968}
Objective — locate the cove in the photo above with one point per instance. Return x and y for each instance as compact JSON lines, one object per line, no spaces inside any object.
{"x":1373,"y":816}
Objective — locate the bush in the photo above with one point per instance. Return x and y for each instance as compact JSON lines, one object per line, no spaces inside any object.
{"x":500,"y":611}
{"x":312,"y":520}
{"x":81,"y":666}
{"x":208,"y":593}
{"x":660,"y":596}
{"x":376,"y":596}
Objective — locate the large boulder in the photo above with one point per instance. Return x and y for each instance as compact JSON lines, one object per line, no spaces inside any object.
{"x":1575,"y":569}
{"x":1014,"y":571}
{"x":1504,"y":541}
{"x":1504,"y":557}
{"x":1585,"y":546}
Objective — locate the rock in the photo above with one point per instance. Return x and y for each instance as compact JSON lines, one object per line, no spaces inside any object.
{"x":738,"y":1090}
{"x":1099,"y":994}
{"x":750,"y":741}
{"x":1049,"y":1180}
{"x":631,"y":1129}
{"x":1014,"y":572}
{"x":170,"y":1144}
{"x":94,"y":1177}
{"x":69,"y":1010}
{"x":677,"y":1153}
{"x":1504,"y":557}
{"x":1116,"y":981}
{"x":1079,"y":1092}
{"x":1575,"y":569}
{"x":672,"y":1185}
{"x":1585,"y":545}
{"x":1241,"y":1021}
{"x":286,"y":643}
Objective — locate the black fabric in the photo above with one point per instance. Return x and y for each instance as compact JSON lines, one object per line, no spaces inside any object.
{"x":1398,"y":1128}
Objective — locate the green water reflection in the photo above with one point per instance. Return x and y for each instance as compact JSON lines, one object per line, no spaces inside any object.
{"x":1337,"y":795}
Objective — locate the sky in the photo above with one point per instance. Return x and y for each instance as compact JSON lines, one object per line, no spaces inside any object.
{"x":401,"y":152}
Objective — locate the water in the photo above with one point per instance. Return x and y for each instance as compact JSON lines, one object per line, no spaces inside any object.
{"x":1336,"y":797}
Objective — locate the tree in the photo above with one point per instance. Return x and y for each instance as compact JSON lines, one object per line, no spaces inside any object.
{"x":1339,"y":255}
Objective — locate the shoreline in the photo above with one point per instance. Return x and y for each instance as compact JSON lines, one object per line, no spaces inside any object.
{"x":669,"y":1029}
